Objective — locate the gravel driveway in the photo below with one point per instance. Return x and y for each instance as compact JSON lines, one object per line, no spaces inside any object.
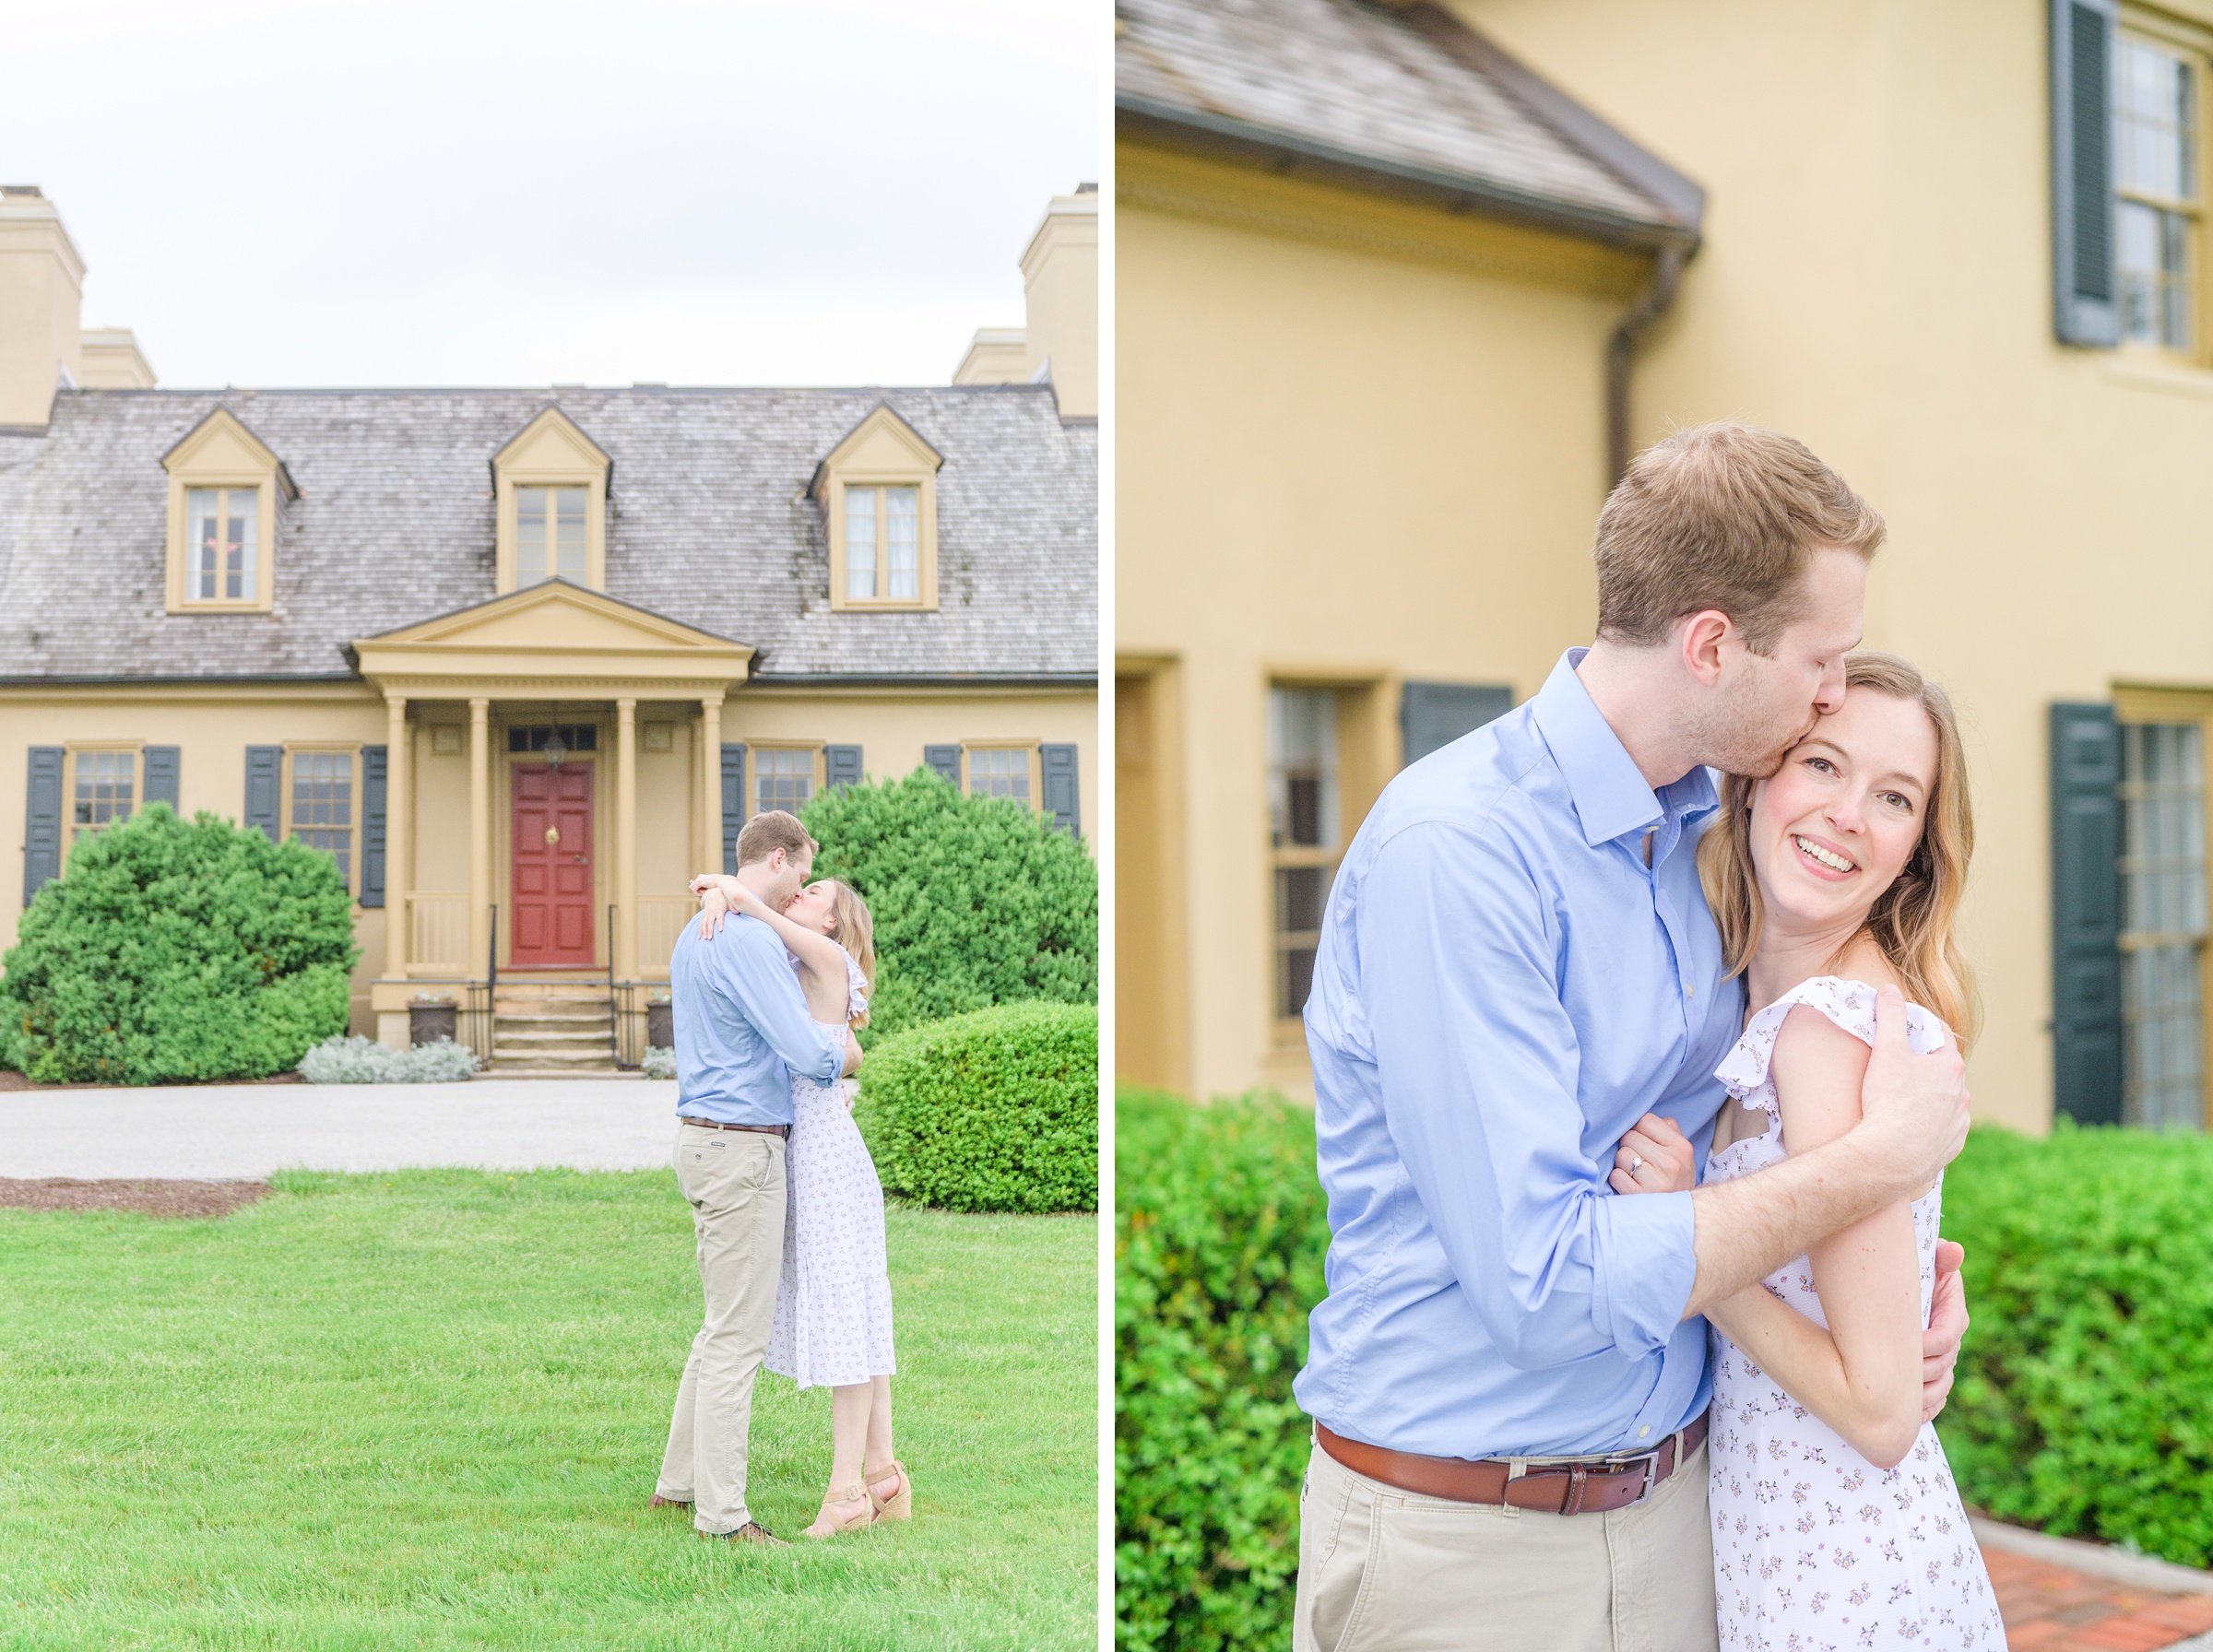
{"x":223,"y":1131}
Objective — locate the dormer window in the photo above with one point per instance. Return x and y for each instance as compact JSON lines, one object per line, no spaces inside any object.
{"x":883,"y":544}
{"x":550,"y":539}
{"x":225,"y":492}
{"x":879,"y":492}
{"x":224,"y":538}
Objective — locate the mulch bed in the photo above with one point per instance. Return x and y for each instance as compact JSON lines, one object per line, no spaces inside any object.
{"x":148,"y":1198}
{"x":15,"y":1080}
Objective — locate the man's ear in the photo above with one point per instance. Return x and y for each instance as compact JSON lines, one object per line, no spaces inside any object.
{"x":1704,"y":638}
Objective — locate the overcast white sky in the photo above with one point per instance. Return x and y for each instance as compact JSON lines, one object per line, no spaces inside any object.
{"x":732,"y":193}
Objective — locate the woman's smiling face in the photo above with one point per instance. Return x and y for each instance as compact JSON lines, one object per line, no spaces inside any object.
{"x":1834,"y":826}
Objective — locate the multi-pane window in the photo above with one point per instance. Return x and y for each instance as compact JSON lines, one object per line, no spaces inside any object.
{"x":322,"y":805}
{"x":783,"y":778}
{"x":549,"y":535}
{"x":2155,"y":166}
{"x":1000,"y":772}
{"x":222,"y":544}
{"x":105,"y":784}
{"x":2163,"y":922}
{"x":883,"y":544}
{"x":1303,"y":831}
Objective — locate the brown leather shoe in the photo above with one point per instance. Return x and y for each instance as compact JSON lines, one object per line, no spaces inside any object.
{"x":752,"y":1531}
{"x":661,"y":1502}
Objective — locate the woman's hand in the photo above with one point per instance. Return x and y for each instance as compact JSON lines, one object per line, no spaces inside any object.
{"x":711,"y":913}
{"x":1654,"y":1157}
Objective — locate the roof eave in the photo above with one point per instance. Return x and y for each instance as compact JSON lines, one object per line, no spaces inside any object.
{"x":1289,"y":152}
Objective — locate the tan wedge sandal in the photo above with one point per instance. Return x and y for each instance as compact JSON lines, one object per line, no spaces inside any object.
{"x":901,"y":1505}
{"x":827,"y":1524}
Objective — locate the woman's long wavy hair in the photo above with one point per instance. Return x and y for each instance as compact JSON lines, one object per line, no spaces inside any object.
{"x":856,"y":932}
{"x":1913,"y":920}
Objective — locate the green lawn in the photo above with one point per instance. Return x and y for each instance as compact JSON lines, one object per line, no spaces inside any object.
{"x":426,"y":1410}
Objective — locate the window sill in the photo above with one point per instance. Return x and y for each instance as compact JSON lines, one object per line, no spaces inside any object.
{"x":883,"y":608}
{"x":2150,"y":372}
{"x":220,"y":608}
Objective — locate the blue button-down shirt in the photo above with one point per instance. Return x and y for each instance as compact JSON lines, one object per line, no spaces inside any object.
{"x":1503,"y":988}
{"x":742,"y":1026}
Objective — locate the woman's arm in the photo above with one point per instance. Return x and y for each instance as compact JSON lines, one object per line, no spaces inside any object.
{"x":1862,"y":1376}
{"x":821,"y":960}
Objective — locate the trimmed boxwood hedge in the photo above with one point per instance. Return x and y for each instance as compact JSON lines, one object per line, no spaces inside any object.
{"x":174,"y":951}
{"x":2085,"y":1400}
{"x":994,"y":1109}
{"x":1220,"y":1230}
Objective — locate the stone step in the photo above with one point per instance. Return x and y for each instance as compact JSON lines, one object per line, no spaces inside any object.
{"x":558,"y":1073}
{"x":552,"y":1037}
{"x":561,"y":1009}
{"x":570,"y":1058}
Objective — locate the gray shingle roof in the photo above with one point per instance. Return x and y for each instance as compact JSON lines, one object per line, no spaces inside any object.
{"x":708,"y":523}
{"x":1404,"y":97}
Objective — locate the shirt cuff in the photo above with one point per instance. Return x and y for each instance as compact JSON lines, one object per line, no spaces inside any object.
{"x":834,"y":1055}
{"x":1644,"y":1261}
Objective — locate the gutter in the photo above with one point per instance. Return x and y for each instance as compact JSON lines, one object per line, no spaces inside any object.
{"x":1621,"y":347}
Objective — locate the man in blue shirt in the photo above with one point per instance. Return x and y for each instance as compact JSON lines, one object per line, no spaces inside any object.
{"x":1508,"y":1376}
{"x":741,"y":1031}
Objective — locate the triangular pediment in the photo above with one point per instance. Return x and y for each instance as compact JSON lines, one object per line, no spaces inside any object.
{"x":220,"y":444}
{"x":555,"y":614}
{"x":550,"y":445}
{"x":881,"y":445}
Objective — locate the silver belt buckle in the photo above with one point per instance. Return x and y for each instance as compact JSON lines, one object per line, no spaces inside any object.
{"x":1652,"y":1470}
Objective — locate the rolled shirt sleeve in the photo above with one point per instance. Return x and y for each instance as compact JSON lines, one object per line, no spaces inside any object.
{"x":1478,"y":1064}
{"x":758,"y":972}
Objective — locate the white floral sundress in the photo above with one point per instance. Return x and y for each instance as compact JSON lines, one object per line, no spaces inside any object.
{"x":833,"y":1301}
{"x":1815,"y":1549}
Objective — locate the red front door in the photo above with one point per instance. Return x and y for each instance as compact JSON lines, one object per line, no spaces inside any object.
{"x":552,"y":866}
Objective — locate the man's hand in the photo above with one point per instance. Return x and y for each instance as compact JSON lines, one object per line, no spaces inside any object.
{"x":1914,"y":1106}
{"x":852,"y":1056}
{"x":1654,"y":1157}
{"x":1947,"y":1325}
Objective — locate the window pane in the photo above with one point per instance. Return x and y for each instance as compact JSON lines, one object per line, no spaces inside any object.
{"x":1000,"y":772}
{"x":569,"y":534}
{"x":902,"y":547}
{"x":202,"y":531}
{"x":530,"y":508}
{"x":323,"y":803}
{"x":860,"y":544}
{"x":782,"y":779}
{"x":2163,"y":904}
{"x":1302,"y":767}
{"x":1294,"y":980}
{"x":1299,"y":894}
{"x":240,"y":543}
{"x":2155,"y":123}
{"x":103,"y":790}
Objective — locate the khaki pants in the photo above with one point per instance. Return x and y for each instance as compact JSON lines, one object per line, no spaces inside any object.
{"x":1382,"y":1568}
{"x":734,"y":1180}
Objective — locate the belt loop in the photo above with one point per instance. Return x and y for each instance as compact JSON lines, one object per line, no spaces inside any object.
{"x":1677,"y":1437}
{"x":1577,"y":1478}
{"x":1517,"y":1467}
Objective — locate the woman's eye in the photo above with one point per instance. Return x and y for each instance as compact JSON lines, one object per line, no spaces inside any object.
{"x":1820,"y":764}
{"x":1899,"y":801}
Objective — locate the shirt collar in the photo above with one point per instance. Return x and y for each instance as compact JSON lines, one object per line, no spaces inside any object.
{"x":1612,"y":799}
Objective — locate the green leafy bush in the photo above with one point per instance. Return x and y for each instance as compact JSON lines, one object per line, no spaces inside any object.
{"x":1220,"y":1230}
{"x":173,"y":951}
{"x":2084,"y":1404}
{"x":977,"y":901}
{"x":994,"y":1109}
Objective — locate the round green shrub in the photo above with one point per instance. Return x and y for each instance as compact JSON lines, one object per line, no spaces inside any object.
{"x":2084,"y":1404}
{"x":994,"y":1109}
{"x":171,"y":951}
{"x":977,"y":901}
{"x":1220,"y":1230}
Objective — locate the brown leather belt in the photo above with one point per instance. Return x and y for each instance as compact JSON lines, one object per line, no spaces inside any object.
{"x":1588,"y":1485}
{"x":708,"y":1124}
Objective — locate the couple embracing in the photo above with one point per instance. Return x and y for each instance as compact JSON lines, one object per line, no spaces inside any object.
{"x":1635,"y":1087}
{"x":785,"y":1208}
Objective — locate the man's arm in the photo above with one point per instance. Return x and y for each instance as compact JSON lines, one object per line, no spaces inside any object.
{"x":752,"y":965}
{"x":1478,"y":1063}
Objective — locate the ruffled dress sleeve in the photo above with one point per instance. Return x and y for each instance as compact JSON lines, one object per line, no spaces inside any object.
{"x":856,"y":989}
{"x":1849,"y":1004}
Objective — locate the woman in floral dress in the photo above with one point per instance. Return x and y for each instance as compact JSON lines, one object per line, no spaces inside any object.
{"x":1835,"y":1520}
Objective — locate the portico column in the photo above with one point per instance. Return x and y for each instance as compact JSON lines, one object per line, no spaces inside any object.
{"x":398,"y":817}
{"x":710,"y":773}
{"x":480,"y":835}
{"x":625,"y":937}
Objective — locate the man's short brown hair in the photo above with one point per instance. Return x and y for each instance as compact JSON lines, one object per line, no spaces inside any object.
{"x":769,"y":831}
{"x":1720,"y":517}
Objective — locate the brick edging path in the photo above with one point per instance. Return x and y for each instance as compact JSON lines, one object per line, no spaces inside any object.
{"x":2061,"y":1595}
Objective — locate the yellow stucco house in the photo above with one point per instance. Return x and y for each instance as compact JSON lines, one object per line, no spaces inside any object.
{"x":1398,"y":285}
{"x":523,"y":660}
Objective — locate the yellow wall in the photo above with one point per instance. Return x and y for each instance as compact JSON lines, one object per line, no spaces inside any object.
{"x":1876,"y":281}
{"x":1356,"y":444}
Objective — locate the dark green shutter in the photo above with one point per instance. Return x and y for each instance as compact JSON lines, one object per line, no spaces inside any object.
{"x":163,"y":763}
{"x":42,"y":823}
{"x":2083,"y":297}
{"x":841,"y":766}
{"x":1058,"y":765}
{"x":372,"y":825}
{"x":733,"y":804}
{"x":946,"y":761}
{"x":2086,"y":913}
{"x":1433,"y":715}
{"x":265,"y":780}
